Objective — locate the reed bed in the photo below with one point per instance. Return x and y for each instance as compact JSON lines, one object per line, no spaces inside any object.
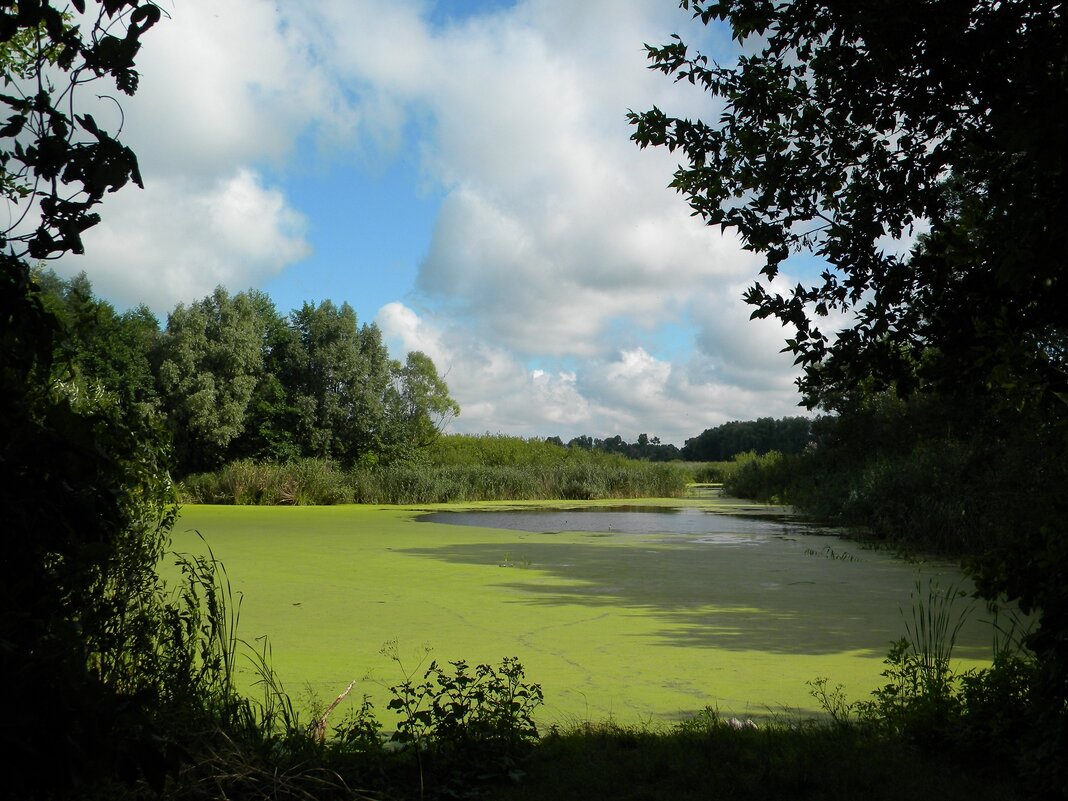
{"x":319,"y":482}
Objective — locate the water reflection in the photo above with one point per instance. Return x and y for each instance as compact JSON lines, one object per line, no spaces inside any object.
{"x":715,"y":580}
{"x":719,"y":528}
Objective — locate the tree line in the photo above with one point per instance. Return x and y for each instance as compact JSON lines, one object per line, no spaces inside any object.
{"x":646,"y":448}
{"x":763,"y":435}
{"x":719,"y":443}
{"x":230,"y":378}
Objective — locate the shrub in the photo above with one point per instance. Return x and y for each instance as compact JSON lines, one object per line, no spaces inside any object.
{"x":465,"y":725}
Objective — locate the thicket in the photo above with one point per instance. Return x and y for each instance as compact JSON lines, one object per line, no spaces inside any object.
{"x":958,"y":479}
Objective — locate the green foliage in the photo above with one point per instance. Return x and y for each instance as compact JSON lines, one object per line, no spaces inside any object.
{"x":708,"y":472}
{"x":249,"y":483}
{"x":64,"y":161}
{"x":469,"y":723}
{"x":958,"y":481}
{"x":646,"y":447}
{"x":210,"y":358}
{"x":89,"y":503}
{"x":496,"y":450}
{"x":232,"y":379}
{"x":324,"y":378}
{"x":423,"y":404}
{"x":924,"y":702}
{"x":839,"y":127}
{"x":100,"y":347}
{"x":927,"y":703}
{"x":240,"y":382}
{"x":765,"y":477}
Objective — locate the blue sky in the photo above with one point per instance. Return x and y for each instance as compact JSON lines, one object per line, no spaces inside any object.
{"x":461,"y":174}
{"x":368,"y":226}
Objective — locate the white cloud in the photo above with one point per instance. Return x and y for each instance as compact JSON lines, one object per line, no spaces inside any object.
{"x":627,"y":392}
{"x":224,"y":87}
{"x":556,"y":225}
{"x":176,"y":241}
{"x":228,"y":84}
{"x":557,"y":233}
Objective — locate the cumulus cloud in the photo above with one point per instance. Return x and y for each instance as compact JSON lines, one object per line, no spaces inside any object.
{"x":227,"y":84}
{"x":557,"y":233}
{"x":555,"y":225}
{"x":626,"y":392}
{"x":176,"y":242}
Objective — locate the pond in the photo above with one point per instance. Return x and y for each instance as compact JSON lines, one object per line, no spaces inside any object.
{"x":630,"y":612}
{"x":764,"y":582}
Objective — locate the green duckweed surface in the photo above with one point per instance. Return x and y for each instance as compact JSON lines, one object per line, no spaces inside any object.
{"x":634,"y":627}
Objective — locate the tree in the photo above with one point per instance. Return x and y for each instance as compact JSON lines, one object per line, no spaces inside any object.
{"x":851,"y":122}
{"x":106,"y":351}
{"x":338,"y":376}
{"x":423,"y":403}
{"x":210,"y":360}
{"x":83,"y":484}
{"x":270,"y":431}
{"x":788,"y":435}
{"x":857,"y":121}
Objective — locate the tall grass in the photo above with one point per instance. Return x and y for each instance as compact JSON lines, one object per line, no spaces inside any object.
{"x":500,"y":449}
{"x":464,"y":469}
{"x":708,"y":472}
{"x":249,"y":483}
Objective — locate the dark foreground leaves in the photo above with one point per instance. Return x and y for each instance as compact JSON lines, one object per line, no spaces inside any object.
{"x":609,"y":762}
{"x":606,"y":761}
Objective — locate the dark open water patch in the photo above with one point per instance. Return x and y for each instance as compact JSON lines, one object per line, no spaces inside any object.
{"x":621,"y":519}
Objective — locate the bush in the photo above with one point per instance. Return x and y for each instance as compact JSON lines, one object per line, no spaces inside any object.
{"x":709,"y":472}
